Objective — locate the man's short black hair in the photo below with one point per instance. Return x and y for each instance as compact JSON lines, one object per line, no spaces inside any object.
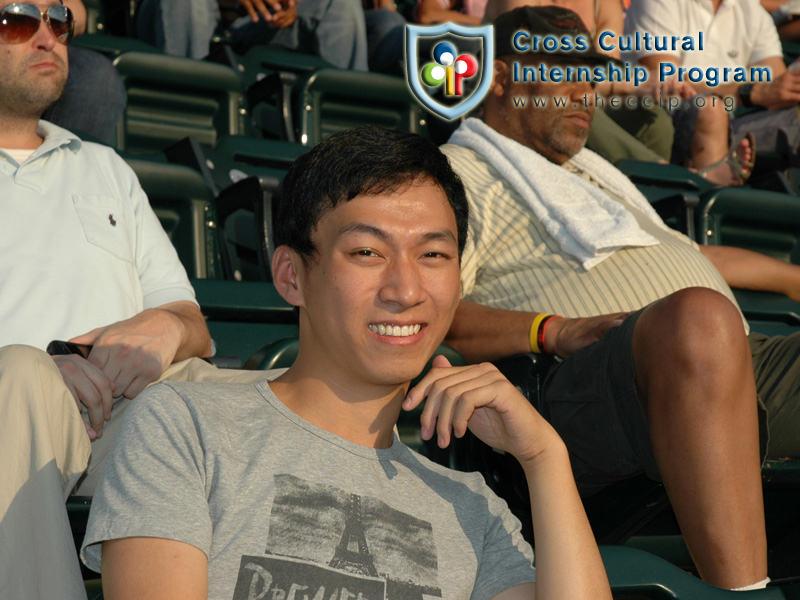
{"x":363,"y":160}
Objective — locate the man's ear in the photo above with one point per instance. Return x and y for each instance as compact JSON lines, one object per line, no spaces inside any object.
{"x":500,"y":78}
{"x":286,"y":264}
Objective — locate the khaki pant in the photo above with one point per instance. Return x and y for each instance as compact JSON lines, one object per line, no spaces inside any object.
{"x":44,"y":453}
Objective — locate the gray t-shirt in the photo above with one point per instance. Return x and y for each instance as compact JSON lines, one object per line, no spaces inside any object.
{"x":284,"y":509}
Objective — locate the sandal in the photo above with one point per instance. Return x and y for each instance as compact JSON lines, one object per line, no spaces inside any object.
{"x":741,"y":169}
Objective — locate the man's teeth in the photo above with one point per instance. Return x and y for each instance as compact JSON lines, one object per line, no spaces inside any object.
{"x":395,"y":330}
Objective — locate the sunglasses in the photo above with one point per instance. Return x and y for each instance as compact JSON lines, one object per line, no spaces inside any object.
{"x":20,"y":22}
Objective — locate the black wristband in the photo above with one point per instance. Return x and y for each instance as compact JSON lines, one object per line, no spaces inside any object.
{"x":744,"y":95}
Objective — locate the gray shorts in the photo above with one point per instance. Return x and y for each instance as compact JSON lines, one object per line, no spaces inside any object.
{"x":592,"y":402}
{"x":776,"y":363}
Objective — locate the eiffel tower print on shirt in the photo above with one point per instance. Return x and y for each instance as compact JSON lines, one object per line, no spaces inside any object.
{"x":335,"y":544}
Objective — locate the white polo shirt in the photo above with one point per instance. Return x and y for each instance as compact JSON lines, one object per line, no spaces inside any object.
{"x":739,"y":34}
{"x":80,"y":246}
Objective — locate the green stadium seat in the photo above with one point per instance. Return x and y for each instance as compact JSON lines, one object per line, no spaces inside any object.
{"x":245,"y":214}
{"x":245,"y":207}
{"x":269,"y":73}
{"x":791,"y":51}
{"x":332,"y":100}
{"x":675,"y":206}
{"x":113,"y":45}
{"x":95,"y":17}
{"x":766,"y":222}
{"x":184,"y":204}
{"x":243,"y":316}
{"x":94,"y":589}
{"x":638,"y":575}
{"x":667,"y":176}
{"x":235,"y":158}
{"x":170,"y":98}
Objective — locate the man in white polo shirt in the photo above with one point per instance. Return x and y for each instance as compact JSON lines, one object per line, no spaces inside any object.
{"x":736,"y":34}
{"x":84,"y":259}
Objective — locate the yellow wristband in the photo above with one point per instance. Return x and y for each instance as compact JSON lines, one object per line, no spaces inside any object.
{"x":533,"y":334}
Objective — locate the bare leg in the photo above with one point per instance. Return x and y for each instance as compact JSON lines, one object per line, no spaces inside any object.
{"x":695,"y":378}
{"x":710,"y":144}
{"x":710,"y":140}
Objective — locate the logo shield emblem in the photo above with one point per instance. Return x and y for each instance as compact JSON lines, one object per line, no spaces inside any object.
{"x":447,"y":68}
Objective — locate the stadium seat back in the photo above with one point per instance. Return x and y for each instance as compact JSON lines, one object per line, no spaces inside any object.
{"x":244,"y":316}
{"x":95,"y":17}
{"x":332,"y":100}
{"x":758,"y":220}
{"x":245,"y":215}
{"x":237,"y":157}
{"x":170,"y":98}
{"x":184,"y":204}
{"x":112,"y":45}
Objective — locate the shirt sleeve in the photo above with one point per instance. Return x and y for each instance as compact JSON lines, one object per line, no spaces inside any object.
{"x":161,"y":274}
{"x":155,"y":480}
{"x":657,"y":17}
{"x":471,"y":254}
{"x":507,"y":559}
{"x":766,"y":42}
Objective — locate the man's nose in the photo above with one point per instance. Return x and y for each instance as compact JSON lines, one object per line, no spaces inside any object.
{"x":402,"y":284}
{"x":44,"y":37}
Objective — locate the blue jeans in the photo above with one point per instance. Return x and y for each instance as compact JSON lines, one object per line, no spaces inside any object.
{"x":178,"y":27}
{"x":385,"y":33}
{"x":332,"y":29}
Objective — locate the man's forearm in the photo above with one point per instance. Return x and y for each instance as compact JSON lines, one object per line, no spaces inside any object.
{"x":750,"y":270}
{"x":482,"y":333}
{"x":195,"y":339}
{"x":568,"y":562}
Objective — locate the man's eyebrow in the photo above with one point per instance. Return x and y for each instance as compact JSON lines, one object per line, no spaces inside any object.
{"x":363,"y":228}
{"x":443,"y":235}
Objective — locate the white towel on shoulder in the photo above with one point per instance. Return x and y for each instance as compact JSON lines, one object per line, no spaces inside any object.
{"x":585,"y":221}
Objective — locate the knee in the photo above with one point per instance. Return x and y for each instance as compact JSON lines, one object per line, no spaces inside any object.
{"x":24,"y":368}
{"x":698,"y":329}
{"x":691,"y":352}
{"x":18,"y":358}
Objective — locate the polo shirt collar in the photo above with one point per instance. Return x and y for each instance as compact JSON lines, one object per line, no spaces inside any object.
{"x":725,"y":4}
{"x":55,"y":137}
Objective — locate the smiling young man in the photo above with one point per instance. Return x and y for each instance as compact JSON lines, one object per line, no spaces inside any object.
{"x":298,"y":487}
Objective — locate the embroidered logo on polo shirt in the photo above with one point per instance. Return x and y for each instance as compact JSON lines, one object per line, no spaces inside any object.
{"x":112,"y":221}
